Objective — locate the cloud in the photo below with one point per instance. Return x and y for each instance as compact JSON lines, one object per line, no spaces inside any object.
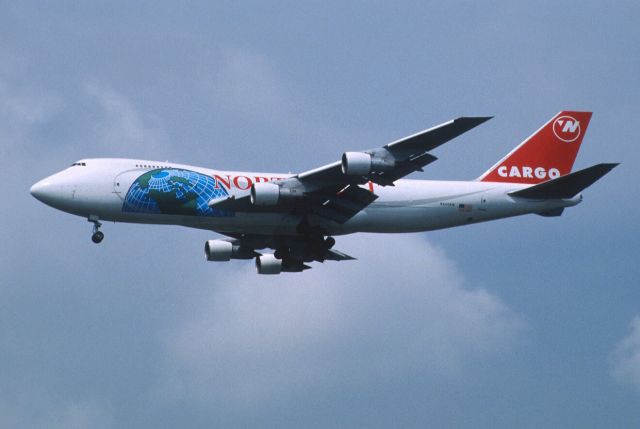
{"x":625,"y":358}
{"x":248,"y":83}
{"x":83,"y":414}
{"x":36,"y":407}
{"x":254,"y":88}
{"x":403,"y":310}
{"x":23,"y":108}
{"x":120,"y":128}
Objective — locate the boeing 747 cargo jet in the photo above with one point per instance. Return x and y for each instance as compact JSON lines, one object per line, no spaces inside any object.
{"x":297,"y":215}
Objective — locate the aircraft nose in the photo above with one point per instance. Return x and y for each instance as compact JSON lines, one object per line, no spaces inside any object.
{"x":55,"y":191}
{"x":39,"y":190}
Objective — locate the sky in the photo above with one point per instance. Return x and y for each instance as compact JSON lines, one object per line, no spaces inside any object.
{"x":526,"y":322}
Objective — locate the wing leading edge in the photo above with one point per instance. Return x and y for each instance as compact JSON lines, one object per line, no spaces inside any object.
{"x":401,"y":157}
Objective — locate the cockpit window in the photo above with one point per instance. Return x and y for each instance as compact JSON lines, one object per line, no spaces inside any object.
{"x":79,"y":164}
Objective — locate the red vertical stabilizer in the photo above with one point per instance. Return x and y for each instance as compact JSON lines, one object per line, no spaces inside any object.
{"x":549,"y":153}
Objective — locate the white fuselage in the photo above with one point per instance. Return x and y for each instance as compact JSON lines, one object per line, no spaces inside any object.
{"x":106,"y":189}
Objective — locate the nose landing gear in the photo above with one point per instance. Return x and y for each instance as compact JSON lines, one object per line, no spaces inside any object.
{"x":97,"y":235}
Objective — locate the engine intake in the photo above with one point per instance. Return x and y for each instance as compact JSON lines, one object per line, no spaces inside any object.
{"x":268,"y":264}
{"x":363,"y":164}
{"x":270,"y":194}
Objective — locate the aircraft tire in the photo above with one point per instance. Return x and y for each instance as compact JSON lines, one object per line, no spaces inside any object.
{"x":97,"y":237}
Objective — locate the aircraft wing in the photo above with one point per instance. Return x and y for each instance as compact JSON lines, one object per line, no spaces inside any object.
{"x":332,"y":191}
{"x":392,"y":161}
{"x":294,"y":251}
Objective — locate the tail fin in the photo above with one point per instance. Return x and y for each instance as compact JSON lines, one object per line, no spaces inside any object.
{"x":549,"y":153}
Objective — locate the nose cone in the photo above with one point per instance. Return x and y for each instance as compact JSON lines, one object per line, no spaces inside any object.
{"x":39,"y":190}
{"x":56,"y":191}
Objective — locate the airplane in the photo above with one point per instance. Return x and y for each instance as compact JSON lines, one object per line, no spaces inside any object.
{"x":296,"y":216}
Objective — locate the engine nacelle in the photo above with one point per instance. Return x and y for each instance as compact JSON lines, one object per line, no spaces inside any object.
{"x":268,"y":264}
{"x":218,"y":250}
{"x":356,"y":163}
{"x":224,"y":250}
{"x":270,"y":194}
{"x":265,"y":194}
{"x":363,"y":164}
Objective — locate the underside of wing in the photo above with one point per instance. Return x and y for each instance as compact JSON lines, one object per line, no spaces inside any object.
{"x":342,"y":205}
{"x":290,"y":253}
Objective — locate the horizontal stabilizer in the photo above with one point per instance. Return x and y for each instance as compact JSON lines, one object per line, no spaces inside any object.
{"x":552,"y":213}
{"x":566,"y":186}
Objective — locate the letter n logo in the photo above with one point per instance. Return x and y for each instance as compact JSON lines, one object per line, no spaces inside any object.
{"x":566,"y":128}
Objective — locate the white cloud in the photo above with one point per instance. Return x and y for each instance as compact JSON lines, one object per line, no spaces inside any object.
{"x":22,"y":109}
{"x":254,"y":88}
{"x":625,"y":359}
{"x":79,"y":415}
{"x":120,"y":128}
{"x":36,"y":407}
{"x":402,"y":310}
{"x":27,"y":106}
{"x":248,"y":83}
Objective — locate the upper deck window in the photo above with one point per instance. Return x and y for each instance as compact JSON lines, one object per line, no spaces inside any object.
{"x":79,"y":164}
{"x":156,"y":167}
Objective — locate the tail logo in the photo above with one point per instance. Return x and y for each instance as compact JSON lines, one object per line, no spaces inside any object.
{"x":566,"y":128}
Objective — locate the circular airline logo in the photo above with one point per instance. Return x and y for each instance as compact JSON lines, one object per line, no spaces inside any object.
{"x":566,"y":128}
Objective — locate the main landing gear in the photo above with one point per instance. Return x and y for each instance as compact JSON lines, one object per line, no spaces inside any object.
{"x":97,"y":235}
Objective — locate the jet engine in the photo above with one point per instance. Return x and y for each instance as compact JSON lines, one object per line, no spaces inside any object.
{"x":268,"y":264}
{"x":225,"y":250}
{"x":270,"y":194}
{"x":363,"y":164}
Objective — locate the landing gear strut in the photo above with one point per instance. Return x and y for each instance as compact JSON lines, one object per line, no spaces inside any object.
{"x":97,"y":235}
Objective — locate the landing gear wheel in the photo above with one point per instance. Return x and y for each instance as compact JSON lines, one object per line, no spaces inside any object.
{"x":97,"y":237}
{"x":329,"y":242}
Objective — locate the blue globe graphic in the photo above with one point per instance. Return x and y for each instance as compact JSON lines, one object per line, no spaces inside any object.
{"x":174,"y":191}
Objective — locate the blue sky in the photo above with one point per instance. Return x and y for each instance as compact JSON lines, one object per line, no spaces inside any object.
{"x":526,"y":322}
